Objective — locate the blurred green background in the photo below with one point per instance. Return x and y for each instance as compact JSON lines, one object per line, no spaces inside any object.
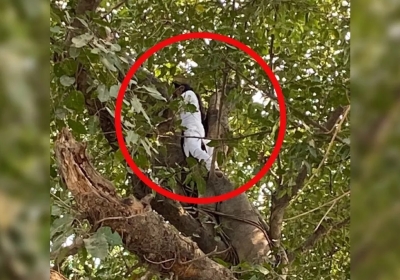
{"x":24,"y":158}
{"x":375,"y":82}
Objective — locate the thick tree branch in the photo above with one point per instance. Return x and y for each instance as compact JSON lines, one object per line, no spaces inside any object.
{"x":54,"y":275}
{"x":250,"y":242}
{"x":174,"y":213}
{"x":333,"y":119}
{"x":169,"y":209}
{"x":143,"y":232}
{"x":280,"y":202}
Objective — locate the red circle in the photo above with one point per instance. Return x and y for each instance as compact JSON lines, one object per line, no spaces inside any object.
{"x":175,"y":39}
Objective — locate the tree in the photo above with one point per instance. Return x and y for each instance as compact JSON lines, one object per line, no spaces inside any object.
{"x":293,"y":223}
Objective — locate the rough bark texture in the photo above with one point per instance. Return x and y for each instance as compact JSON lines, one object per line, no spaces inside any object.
{"x":237,"y":216}
{"x":245,"y":234}
{"x":279,"y":205}
{"x":143,"y":231}
{"x":54,"y":275}
{"x":170,"y":210}
{"x":173,"y":212}
{"x":239,"y":222}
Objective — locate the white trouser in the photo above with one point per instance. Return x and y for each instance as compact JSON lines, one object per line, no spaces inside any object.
{"x":193,"y":147}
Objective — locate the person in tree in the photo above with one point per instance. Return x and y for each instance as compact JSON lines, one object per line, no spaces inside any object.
{"x":195,"y":125}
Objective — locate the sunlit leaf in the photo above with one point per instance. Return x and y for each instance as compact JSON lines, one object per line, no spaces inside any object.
{"x":82,"y":40}
{"x":67,"y":81}
{"x":103,"y":93}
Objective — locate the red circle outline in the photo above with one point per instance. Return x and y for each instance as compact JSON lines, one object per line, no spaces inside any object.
{"x":175,"y":39}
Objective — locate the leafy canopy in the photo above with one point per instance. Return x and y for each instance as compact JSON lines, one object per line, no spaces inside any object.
{"x":306,"y":43}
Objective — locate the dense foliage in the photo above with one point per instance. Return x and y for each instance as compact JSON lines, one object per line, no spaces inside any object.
{"x":306,"y":43}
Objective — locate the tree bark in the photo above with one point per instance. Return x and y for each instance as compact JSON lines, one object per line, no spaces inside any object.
{"x":237,"y":216}
{"x":54,"y":275}
{"x":170,"y":210}
{"x":143,"y":231}
{"x":248,"y":237}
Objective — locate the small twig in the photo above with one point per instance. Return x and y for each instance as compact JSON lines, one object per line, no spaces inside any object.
{"x":333,"y":137}
{"x":270,"y":95}
{"x":114,"y":8}
{"x":215,"y":252}
{"x":319,"y":207}
{"x":162,"y":262}
{"x":326,"y":214}
{"x":327,"y":151}
{"x":114,"y":218}
{"x":317,"y":235}
{"x":221,"y":139}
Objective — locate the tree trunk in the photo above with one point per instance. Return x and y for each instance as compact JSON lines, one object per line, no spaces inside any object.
{"x":143,"y":231}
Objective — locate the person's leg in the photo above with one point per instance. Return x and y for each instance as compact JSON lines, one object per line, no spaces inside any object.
{"x":210,"y":151}
{"x":193,"y":147}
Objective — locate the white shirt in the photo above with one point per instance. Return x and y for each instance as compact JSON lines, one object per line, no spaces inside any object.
{"x":192,"y":121}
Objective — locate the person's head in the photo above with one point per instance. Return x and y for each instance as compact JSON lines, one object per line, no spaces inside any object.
{"x":181,"y":85}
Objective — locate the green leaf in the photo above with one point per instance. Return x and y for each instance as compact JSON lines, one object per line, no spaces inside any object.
{"x":109,"y":64}
{"x":191,"y":161}
{"x":60,"y":239}
{"x":262,"y":269}
{"x":308,"y":166}
{"x":137,"y":107}
{"x":95,"y":51}
{"x":97,"y":246}
{"x":55,"y":29}
{"x":83,"y":22}
{"x":114,"y":90}
{"x":200,"y":183}
{"x":172,"y":183}
{"x":146,"y":147}
{"x":75,"y":101}
{"x":60,"y":113}
{"x":92,"y":126}
{"x":82,"y":40}
{"x":100,"y":47}
{"x":154,"y":93}
{"x":221,"y":262}
{"x":132,"y":138}
{"x":312,"y":151}
{"x":118,"y":156}
{"x":190,"y":108}
{"x":103,"y":93}
{"x":213,"y":143}
{"x":61,"y":224}
{"x":115,"y":47}
{"x":77,"y":126}
{"x":199,"y":8}
{"x":56,"y":210}
{"x":113,"y":239}
{"x":74,"y":52}
{"x":67,"y":81}
{"x":188,"y":179}
{"x":316,"y":90}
